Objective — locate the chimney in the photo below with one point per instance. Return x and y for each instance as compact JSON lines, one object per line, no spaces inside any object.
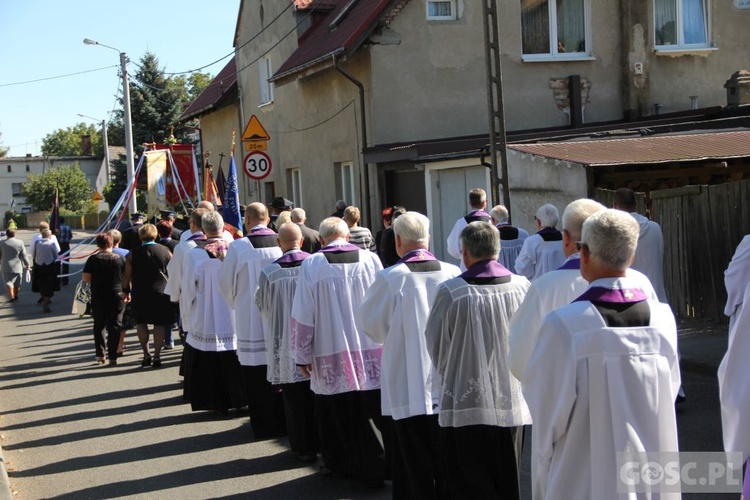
{"x":738,"y":88}
{"x":86,"y":145}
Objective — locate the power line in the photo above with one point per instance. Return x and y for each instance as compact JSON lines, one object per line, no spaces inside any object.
{"x":55,"y":77}
{"x":293,"y":130}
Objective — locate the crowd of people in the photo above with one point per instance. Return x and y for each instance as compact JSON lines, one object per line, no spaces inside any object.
{"x":379,"y":361}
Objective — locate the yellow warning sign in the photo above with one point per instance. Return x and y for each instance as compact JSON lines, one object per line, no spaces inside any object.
{"x":97,"y":196}
{"x":254,"y":131}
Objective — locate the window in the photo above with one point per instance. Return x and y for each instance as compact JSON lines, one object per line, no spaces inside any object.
{"x":17,"y":188}
{"x":28,"y":168}
{"x":266,"y":87}
{"x":10,"y":169}
{"x":441,"y":10}
{"x":345,"y":183}
{"x":555,"y":29}
{"x":681,"y":24}
{"x":295,"y":180}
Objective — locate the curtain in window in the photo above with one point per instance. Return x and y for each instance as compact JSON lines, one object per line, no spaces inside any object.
{"x":665,"y":22}
{"x":571,"y":30}
{"x":439,"y":9}
{"x":535,"y":26}
{"x":694,"y":21}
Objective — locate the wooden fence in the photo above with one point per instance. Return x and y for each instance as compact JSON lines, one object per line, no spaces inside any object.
{"x":702,"y":227}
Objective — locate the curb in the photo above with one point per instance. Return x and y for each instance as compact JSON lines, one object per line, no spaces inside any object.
{"x":5,"y":492}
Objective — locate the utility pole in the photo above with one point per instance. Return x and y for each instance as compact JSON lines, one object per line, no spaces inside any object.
{"x":495,"y":107}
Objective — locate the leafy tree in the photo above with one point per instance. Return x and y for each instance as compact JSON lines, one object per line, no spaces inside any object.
{"x":114,"y":188}
{"x":75,"y":192}
{"x":69,"y":141}
{"x":3,"y":151}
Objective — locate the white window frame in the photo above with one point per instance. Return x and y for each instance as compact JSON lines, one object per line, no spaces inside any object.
{"x":454,"y":10}
{"x":553,"y":54}
{"x":681,"y":46}
{"x":348,"y":193}
{"x":266,"y":87}
{"x":296,"y":177}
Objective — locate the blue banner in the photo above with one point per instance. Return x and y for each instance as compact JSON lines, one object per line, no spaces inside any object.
{"x":231,"y":207}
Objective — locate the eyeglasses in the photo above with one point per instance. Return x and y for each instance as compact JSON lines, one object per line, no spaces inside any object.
{"x":580,"y":244}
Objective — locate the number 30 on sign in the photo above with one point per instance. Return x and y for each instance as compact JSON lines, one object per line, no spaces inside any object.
{"x":257,"y":165}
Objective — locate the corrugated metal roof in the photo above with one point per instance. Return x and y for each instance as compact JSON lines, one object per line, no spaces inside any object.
{"x":664,"y":149}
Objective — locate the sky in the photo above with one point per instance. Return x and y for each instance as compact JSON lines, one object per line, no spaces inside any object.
{"x":44,"y":38}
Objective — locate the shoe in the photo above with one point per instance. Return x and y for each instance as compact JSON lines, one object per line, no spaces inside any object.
{"x":40,"y":300}
{"x":168,"y":347}
{"x":146,"y":361}
{"x":112,"y":362}
{"x":308,"y":457}
{"x":156,"y":363}
{"x":46,"y":308}
{"x":100,"y":360}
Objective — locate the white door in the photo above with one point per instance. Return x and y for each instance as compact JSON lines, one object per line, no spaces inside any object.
{"x":450,"y":201}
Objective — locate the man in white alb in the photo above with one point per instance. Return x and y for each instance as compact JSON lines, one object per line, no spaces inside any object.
{"x":477,"y":203}
{"x":212,"y":373}
{"x":603,"y":377}
{"x":482,"y":410}
{"x":511,"y":237}
{"x":344,"y":364}
{"x":276,"y":286}
{"x":734,"y":383}
{"x":542,"y":252}
{"x":394,"y":314}
{"x":239,"y":279}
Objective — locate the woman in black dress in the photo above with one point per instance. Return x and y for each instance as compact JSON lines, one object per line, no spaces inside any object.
{"x":104,"y":272}
{"x":143,"y":282}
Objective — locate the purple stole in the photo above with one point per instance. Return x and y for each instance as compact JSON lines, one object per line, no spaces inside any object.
{"x":612,"y":296}
{"x":347,"y":247}
{"x":477,"y":215}
{"x":291,"y":258}
{"x":261,"y":231}
{"x":571,"y":264}
{"x":418,"y":255}
{"x":486,"y":269}
{"x":550,"y":234}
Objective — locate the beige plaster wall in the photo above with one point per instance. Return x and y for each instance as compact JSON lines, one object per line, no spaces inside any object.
{"x":216,"y":135}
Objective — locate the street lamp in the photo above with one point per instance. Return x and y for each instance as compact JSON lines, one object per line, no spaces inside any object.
{"x":128,"y":121}
{"x":105,"y":143}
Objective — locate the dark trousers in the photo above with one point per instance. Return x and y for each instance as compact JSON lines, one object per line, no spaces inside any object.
{"x":65,"y":247}
{"x":482,"y":461}
{"x":107,"y":314}
{"x":417,"y":470}
{"x":348,"y":442}
{"x":266,"y":404}
{"x":213,"y":380}
{"x":299,"y":410}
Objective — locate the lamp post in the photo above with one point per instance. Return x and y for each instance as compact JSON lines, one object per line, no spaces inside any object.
{"x":105,"y":142}
{"x":128,"y":121}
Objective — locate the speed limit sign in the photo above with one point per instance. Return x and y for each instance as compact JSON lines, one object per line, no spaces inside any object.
{"x":257,"y":165}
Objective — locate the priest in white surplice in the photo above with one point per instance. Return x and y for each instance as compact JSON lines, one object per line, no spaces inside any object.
{"x":511,"y":237}
{"x":212,"y":372}
{"x":734,"y":382}
{"x":176,"y":266}
{"x":239,"y":279}
{"x":482,"y":410}
{"x":394,"y":314}
{"x":276,"y":286}
{"x":603,"y":377}
{"x":477,"y":203}
{"x":344,"y":363}
{"x":542,"y":252}
{"x":649,"y":256}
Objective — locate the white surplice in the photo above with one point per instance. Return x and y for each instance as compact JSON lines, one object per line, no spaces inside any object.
{"x":510,"y":249}
{"x":467,"y":339}
{"x":211,"y":319}
{"x":538,"y":257}
{"x":326,"y":336}
{"x":555,"y":289}
{"x":595,"y":391}
{"x":239,"y":279}
{"x":649,"y":254}
{"x":175,"y":271}
{"x":394,"y":314}
{"x":274,"y":296}
{"x":734,"y":383}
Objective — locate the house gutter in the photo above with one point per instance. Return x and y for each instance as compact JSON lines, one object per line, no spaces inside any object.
{"x":363,"y":124}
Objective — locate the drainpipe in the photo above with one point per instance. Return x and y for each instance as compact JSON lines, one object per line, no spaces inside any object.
{"x":363,"y":120}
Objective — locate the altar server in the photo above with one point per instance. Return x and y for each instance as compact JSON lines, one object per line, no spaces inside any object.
{"x":542,"y":252}
{"x":511,"y":237}
{"x":477,"y":203}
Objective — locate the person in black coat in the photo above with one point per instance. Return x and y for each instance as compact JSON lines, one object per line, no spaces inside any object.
{"x":312,"y":241}
{"x":130,"y":238}
{"x":387,"y":249}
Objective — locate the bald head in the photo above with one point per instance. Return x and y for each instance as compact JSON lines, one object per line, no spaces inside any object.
{"x":290,"y":237}
{"x":256,"y":214}
{"x":207,"y":205}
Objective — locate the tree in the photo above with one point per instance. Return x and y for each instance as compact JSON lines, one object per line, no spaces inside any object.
{"x":74,"y":188}
{"x":69,"y":141}
{"x":114,"y":188}
{"x":3,"y":151}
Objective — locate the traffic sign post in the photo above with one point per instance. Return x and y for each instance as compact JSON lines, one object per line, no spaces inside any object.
{"x":257,"y":165}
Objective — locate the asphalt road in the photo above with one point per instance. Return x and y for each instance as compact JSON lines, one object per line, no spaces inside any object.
{"x":70,"y":428}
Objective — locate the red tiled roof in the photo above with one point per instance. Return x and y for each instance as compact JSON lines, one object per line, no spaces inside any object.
{"x":222,"y":86}
{"x":356,"y":18}
{"x":664,"y":149}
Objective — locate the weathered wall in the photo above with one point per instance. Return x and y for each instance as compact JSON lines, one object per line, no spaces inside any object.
{"x":216,"y":137}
